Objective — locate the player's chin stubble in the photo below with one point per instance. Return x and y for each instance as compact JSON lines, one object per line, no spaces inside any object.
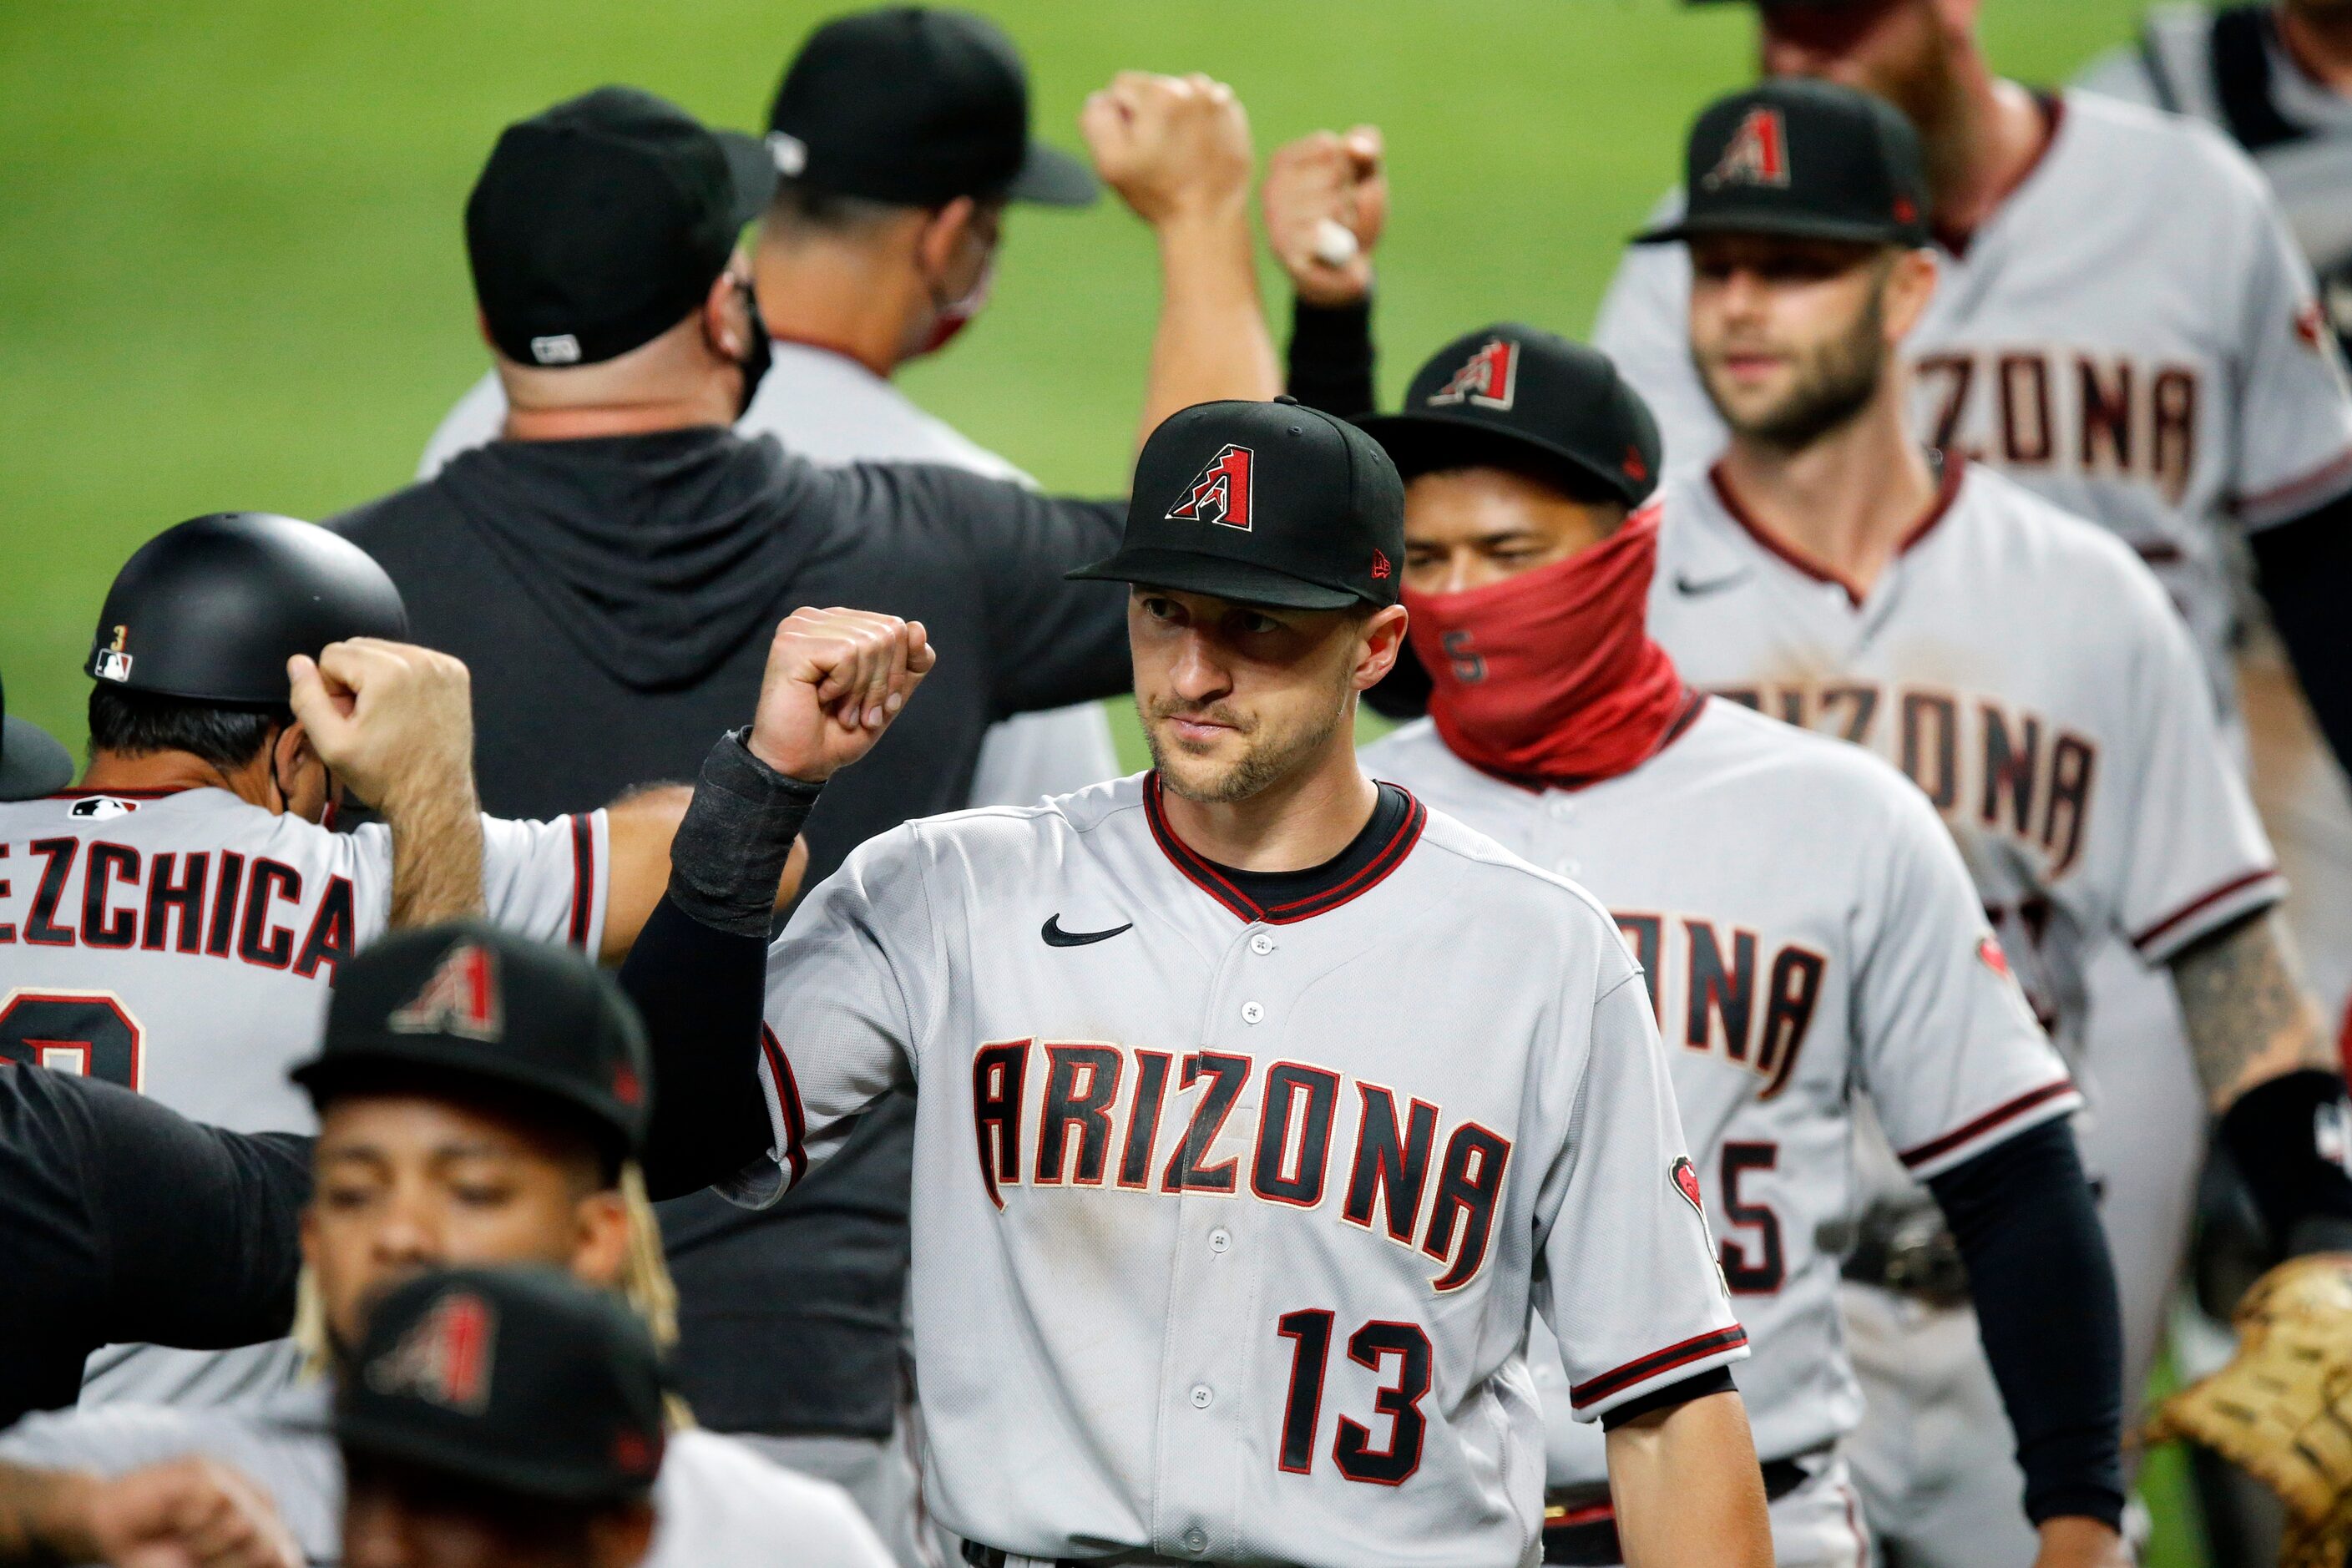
{"x":1834,"y":384}
{"x":1267,"y":758}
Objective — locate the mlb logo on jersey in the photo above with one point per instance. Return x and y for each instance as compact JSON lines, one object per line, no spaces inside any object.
{"x":461,"y":998}
{"x":100,"y":808}
{"x":1757,"y":153}
{"x":1220,"y":492}
{"x":445,"y":1359}
{"x":1490,"y":378}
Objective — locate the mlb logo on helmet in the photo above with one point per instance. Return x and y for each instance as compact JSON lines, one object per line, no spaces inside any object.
{"x":446,"y":1358}
{"x":113,"y":664}
{"x":1220,"y":492}
{"x":1490,"y":378}
{"x":461,"y":998}
{"x":1757,"y":153}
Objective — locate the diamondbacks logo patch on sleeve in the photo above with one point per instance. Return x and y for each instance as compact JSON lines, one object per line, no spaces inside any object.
{"x":1220,"y":492}
{"x":1490,"y":378}
{"x":1757,"y":153}
{"x":1686,"y":1180}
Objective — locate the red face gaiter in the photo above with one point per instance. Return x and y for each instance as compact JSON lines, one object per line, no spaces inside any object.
{"x":1552,"y":675}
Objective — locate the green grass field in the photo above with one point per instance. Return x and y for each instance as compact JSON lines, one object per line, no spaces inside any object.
{"x":232,"y":276}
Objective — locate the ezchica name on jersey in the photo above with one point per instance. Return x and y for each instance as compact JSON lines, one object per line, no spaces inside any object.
{"x":99,"y":894}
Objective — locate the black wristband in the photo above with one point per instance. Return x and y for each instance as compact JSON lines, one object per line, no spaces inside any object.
{"x":729,"y":852}
{"x":2292,"y":1139}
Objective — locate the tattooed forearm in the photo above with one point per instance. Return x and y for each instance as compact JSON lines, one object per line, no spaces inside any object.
{"x":2248,"y":1018}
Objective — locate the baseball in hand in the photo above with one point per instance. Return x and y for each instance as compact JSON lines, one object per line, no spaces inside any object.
{"x":1335,"y":243}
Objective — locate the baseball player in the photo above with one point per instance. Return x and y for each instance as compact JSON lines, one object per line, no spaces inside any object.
{"x":899,"y":136}
{"x":1808,"y":932}
{"x":481,"y":1100}
{"x":1228,"y":1218}
{"x":500,"y":1415}
{"x":174,"y":921}
{"x":2020,"y":667}
{"x":2145,"y":352}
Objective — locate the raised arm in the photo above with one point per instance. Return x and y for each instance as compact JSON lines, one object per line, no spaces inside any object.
{"x":1177,"y":150}
{"x":640,"y":825}
{"x":394,"y":723}
{"x":835,"y":680}
{"x":1325,"y":200}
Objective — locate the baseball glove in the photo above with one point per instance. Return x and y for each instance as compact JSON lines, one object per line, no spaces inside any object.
{"x":2281,"y":1409}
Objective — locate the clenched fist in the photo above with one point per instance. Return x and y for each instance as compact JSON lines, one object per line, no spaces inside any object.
{"x":1174,"y":148}
{"x":835,"y":680}
{"x":188,"y":1514}
{"x":1325,"y":199}
{"x":392,"y":719}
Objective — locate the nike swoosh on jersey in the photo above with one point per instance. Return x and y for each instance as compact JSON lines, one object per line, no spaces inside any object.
{"x":1056,"y":937}
{"x":1699,"y":587}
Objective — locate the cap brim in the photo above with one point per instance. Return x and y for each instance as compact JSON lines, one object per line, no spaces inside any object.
{"x":1051,"y":178}
{"x":754,"y":171}
{"x":1240,"y":581}
{"x":487,"y":1463}
{"x":1777,"y":224}
{"x":328,"y":1074}
{"x":32,"y":763}
{"x":1418,"y":443}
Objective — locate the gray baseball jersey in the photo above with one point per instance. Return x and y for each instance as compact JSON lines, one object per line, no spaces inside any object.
{"x":1227,"y":1220}
{"x":2026,"y":673}
{"x":716,"y":1503}
{"x":1807,"y":933}
{"x":2298,"y":131}
{"x":829,"y":408}
{"x":2144,"y":353}
{"x":183,"y":942}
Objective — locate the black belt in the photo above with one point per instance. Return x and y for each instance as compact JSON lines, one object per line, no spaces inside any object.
{"x":1587,"y":1535}
{"x":990,"y":1557}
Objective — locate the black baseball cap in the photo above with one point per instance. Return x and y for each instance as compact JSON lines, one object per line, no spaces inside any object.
{"x":519,"y":1379}
{"x":600,"y":224}
{"x":1807,"y":159}
{"x":1264,"y":503}
{"x":32,"y":763}
{"x":1512,"y":393}
{"x":917,"y":106}
{"x":479,"y":1003}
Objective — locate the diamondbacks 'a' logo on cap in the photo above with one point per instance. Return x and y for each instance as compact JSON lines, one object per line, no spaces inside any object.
{"x":1220,"y":492}
{"x":1686,"y":1182}
{"x":1490,"y":378}
{"x":1757,"y":153}
{"x":461,"y":998}
{"x":445,"y":1358}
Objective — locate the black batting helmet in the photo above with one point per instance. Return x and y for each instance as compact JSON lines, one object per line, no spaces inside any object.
{"x":212,"y":609}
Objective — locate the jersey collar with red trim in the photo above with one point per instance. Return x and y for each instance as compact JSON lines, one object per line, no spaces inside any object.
{"x":1350,"y":874}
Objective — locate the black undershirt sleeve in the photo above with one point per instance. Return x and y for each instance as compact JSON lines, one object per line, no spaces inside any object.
{"x":2044,"y":1288}
{"x":1715,"y":1380}
{"x":1332,"y":357}
{"x":699,"y":972}
{"x":2304,"y":568}
{"x":199,"y":1226}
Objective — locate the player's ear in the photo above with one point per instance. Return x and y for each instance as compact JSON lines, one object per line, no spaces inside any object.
{"x":1382,"y":638}
{"x":1910,"y":285}
{"x":600,"y":1247}
{"x":941,"y":240}
{"x":725,"y":322}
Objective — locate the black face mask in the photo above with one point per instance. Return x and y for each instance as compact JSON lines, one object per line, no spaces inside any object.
{"x":761,"y":355}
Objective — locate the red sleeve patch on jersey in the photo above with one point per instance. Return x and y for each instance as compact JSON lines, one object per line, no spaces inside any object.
{"x":1686,"y":1180}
